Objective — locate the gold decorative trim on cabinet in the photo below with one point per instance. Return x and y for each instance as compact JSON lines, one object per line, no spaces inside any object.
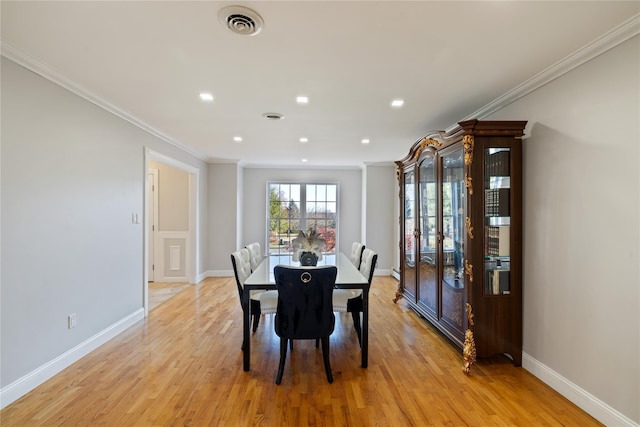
{"x":469,"y":347}
{"x":425,"y":142}
{"x":467,"y":143}
{"x":468,"y":268}
{"x":468,"y":183}
{"x":467,"y":221}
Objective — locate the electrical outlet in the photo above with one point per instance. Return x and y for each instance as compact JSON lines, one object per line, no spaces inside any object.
{"x":72,"y":320}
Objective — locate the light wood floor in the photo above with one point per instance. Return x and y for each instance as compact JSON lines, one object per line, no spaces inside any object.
{"x":183,"y":366}
{"x":160,"y":292}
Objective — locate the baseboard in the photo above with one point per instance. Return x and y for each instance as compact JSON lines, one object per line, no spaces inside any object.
{"x":177,"y":279}
{"x":382,"y":272}
{"x":219,"y":273}
{"x":580,"y":397}
{"x":22,"y":386}
{"x":200,"y":277}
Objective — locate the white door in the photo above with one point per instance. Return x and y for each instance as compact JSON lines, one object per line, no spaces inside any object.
{"x":153,"y":219}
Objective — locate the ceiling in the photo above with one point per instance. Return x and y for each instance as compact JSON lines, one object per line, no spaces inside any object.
{"x":148,"y":61}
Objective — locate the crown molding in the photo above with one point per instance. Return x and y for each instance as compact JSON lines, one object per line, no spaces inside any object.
{"x":43,"y":70}
{"x":159,"y":157}
{"x":300,"y":166}
{"x":381,"y":164}
{"x":607,"y":41}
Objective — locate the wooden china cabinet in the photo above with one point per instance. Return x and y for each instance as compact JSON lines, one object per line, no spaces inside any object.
{"x":461,"y":235}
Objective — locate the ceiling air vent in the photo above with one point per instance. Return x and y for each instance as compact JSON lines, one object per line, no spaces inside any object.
{"x":241,"y":20}
{"x":273,"y":116}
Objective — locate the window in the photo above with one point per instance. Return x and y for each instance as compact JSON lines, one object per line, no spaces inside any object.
{"x":301,"y":206}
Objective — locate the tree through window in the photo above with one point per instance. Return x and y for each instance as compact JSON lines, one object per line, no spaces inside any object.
{"x":301,"y":206}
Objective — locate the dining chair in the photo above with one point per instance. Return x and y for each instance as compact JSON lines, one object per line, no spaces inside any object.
{"x":354,"y":304}
{"x":262,"y":302}
{"x":255,"y":256}
{"x":356,"y":254}
{"x":305,"y":309}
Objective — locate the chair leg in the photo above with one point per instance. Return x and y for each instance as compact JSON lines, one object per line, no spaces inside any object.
{"x":356,"y":325}
{"x":256,"y":321}
{"x":317,"y":342}
{"x":283,"y":357}
{"x":255,"y":314}
{"x":325,"y":357}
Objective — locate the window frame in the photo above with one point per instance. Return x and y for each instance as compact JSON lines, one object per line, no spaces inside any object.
{"x":304,"y":200}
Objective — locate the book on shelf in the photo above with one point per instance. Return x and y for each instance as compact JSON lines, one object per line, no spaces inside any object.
{"x":496,"y":202}
{"x":498,"y":282}
{"x":497,"y":164}
{"x":497,"y":240}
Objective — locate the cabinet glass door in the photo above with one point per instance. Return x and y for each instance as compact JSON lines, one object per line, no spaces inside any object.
{"x":428,"y":236}
{"x":453,"y":229}
{"x":409,"y":249}
{"x":497,"y":221}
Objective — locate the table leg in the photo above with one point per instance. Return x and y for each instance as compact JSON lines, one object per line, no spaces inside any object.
{"x":246,"y":327}
{"x":365,"y":328}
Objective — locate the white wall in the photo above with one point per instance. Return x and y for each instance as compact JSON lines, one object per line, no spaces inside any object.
{"x":379,"y":213}
{"x":581,"y":232}
{"x":72,"y":176}
{"x":224,"y":217}
{"x":173,"y":197}
{"x":255,"y":201}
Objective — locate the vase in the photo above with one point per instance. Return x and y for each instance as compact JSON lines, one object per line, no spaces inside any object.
{"x":308,"y":259}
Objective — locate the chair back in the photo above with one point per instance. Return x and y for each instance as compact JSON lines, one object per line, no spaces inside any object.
{"x":305,"y":306}
{"x":255,"y":256}
{"x":241,"y":268}
{"x":368,"y":264}
{"x":356,"y":254}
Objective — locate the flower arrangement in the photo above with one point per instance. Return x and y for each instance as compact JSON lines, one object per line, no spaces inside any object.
{"x":307,"y":248}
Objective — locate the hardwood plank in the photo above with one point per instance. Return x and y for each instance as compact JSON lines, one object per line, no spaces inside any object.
{"x":183,"y":366}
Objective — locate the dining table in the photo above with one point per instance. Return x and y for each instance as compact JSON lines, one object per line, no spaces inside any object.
{"x":348,"y":277}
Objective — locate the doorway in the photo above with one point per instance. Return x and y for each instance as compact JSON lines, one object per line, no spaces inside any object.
{"x":170,"y":256}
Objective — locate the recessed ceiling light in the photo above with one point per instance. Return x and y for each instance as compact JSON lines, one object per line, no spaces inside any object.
{"x":237,"y":138}
{"x":304,"y":160}
{"x":304,"y":140}
{"x":302,"y":99}
{"x":397,"y":103}
{"x":366,"y":141}
{"x":206,"y":97}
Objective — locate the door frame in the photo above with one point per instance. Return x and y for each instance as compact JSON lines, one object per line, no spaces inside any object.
{"x":193,"y":246}
{"x":152,"y":218}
